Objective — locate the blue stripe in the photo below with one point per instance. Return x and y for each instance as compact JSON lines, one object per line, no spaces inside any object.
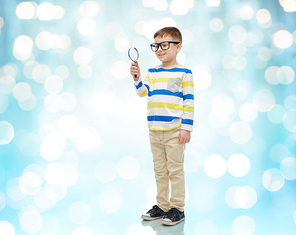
{"x":147,"y":87}
{"x":165,"y":92}
{"x":188,"y":97}
{"x":161,"y":118}
{"x":187,"y":121}
{"x":154,"y":70}
{"x":139,"y":85}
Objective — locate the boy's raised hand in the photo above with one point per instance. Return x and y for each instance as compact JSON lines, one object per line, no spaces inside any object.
{"x":135,"y":70}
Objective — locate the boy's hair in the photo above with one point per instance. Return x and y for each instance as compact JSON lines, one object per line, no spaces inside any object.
{"x":171,"y":31}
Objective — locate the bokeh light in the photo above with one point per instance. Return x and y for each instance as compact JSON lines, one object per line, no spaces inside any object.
{"x":74,"y":143}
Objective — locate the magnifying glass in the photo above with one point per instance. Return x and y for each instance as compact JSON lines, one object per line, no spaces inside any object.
{"x":133,"y":54}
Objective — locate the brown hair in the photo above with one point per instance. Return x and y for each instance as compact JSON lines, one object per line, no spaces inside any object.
{"x":171,"y":31}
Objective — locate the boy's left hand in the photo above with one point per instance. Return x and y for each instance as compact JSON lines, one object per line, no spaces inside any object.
{"x":184,"y":137}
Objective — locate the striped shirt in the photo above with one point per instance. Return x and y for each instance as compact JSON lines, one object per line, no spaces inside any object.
{"x":170,"y":97}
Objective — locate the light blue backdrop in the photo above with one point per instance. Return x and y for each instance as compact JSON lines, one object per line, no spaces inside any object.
{"x":74,"y":149}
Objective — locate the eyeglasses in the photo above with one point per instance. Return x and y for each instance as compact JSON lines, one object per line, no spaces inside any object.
{"x":163,"y":45}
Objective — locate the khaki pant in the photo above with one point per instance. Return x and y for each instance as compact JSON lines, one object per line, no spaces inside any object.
{"x":168,"y":158}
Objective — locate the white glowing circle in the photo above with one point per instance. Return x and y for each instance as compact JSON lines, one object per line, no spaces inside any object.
{"x":68,"y":126}
{"x":120,"y":70}
{"x":79,"y":212}
{"x":133,"y":229}
{"x":288,"y":168}
{"x":160,"y":5}
{"x":241,"y":197}
{"x":282,"y":39}
{"x":238,"y":165}
{"x":215,"y":166}
{"x":246,"y":13}
{"x":1,"y":23}
{"x":44,"y":40}
{"x":202,"y":79}
{"x":240,"y":133}
{"x":52,"y":146}
{"x":110,"y":201}
{"x":229,"y":197}
{"x":276,"y":114}
{"x":237,"y":34}
{"x":31,"y":221}
{"x":216,"y":25}
{"x":22,"y":91}
{"x":213,"y":3}
{"x":273,"y":180}
{"x":72,"y":175}
{"x":53,"y":84}
{"x":265,"y":53}
{"x":50,"y":225}
{"x":45,"y":11}
{"x":121,"y":44}
{"x":181,"y":58}
{"x":222,"y":105}
{"x":7,"y":84}
{"x":55,"y":173}
{"x":29,"y":103}
{"x":239,"y":63}
{"x":82,"y":56}
{"x":55,"y":193}
{"x":195,"y":157}
{"x":2,"y":203}
{"x":30,"y":183}
{"x":178,"y":7}
{"x":139,"y":27}
{"x":264,"y":100}
{"x":53,"y":103}
{"x":6,"y":228}
{"x":66,"y":42}
{"x":290,"y":102}
{"x":248,"y":112}
{"x":289,"y":120}
{"x":128,"y":167}
{"x":271,"y":75}
{"x":25,"y":10}
{"x":68,"y":101}
{"x":263,"y":16}
{"x":243,"y":225}
{"x":62,"y":71}
{"x":89,"y":8}
{"x":86,"y":26}
{"x":87,"y":139}
{"x":82,"y":231}
{"x":140,"y":43}
{"x":206,"y":227}
{"x":106,"y":171}
{"x":23,"y":45}
{"x":285,"y":75}
{"x":40,"y":73}
{"x":150,"y":28}
{"x":59,"y":12}
{"x":187,"y":36}
{"x":289,"y":5}
{"x":147,"y":3}
{"x":239,"y":49}
{"x":6,"y":132}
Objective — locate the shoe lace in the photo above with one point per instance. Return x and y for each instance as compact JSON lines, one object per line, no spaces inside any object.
{"x":172,"y":213}
{"x":155,"y":209}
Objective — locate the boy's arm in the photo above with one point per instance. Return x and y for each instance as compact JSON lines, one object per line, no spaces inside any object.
{"x":188,"y":102}
{"x":141,"y":88}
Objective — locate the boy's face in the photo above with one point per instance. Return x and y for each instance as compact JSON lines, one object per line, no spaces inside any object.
{"x":167,"y":57}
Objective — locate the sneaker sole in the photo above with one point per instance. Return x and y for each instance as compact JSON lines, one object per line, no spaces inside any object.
{"x":170,"y":223}
{"x":150,"y":218}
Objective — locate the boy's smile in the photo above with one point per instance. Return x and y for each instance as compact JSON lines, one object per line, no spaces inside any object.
{"x":167,"y":57}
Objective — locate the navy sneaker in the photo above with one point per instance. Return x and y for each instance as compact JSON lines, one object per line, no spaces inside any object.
{"x":173,"y":217}
{"x":154,"y":213}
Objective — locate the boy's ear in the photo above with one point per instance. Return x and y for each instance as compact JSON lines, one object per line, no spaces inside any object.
{"x":179,"y":46}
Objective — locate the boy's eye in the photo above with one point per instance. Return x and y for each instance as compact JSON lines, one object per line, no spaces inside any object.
{"x":164,"y":44}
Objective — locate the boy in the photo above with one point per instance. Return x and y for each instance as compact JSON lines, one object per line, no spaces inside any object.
{"x":169,"y":88}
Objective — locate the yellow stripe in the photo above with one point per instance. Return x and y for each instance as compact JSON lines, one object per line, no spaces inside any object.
{"x":165,"y":106}
{"x":188,"y":109}
{"x":189,"y":83}
{"x":158,"y":80}
{"x":143,"y":93}
{"x":155,"y":129}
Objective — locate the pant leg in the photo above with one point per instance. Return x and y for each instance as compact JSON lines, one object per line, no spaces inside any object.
{"x":175,"y":166}
{"x":160,"y":169}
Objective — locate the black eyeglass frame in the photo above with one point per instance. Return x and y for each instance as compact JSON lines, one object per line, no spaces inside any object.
{"x":159,"y":45}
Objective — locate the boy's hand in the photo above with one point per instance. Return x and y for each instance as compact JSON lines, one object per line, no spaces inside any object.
{"x":184,"y":137}
{"x":135,"y":70}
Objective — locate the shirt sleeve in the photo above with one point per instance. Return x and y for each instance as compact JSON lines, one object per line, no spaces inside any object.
{"x":188,"y":102}
{"x":142,"y":88}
